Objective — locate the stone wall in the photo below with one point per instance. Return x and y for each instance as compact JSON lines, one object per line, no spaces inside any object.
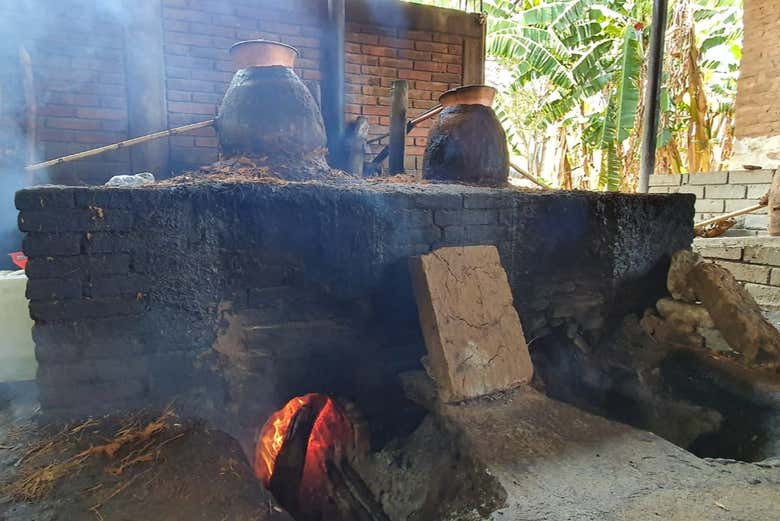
{"x":718,"y":193}
{"x":128,"y":286}
{"x":754,"y":261}
{"x":116,"y":69}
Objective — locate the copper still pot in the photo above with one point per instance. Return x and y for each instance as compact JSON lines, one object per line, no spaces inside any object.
{"x":467,"y":144}
{"x":267,"y":110}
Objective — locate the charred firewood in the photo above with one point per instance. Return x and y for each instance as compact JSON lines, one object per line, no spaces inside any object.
{"x":288,"y":471}
{"x":353,"y":497}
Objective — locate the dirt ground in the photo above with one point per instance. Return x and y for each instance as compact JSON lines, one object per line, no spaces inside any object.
{"x":571,"y":465}
{"x":185,"y":472}
{"x":554,"y":462}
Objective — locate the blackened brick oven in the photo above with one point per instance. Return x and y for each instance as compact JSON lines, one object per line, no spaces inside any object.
{"x":236,"y":297}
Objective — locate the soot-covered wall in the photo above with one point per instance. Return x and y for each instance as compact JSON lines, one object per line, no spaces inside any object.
{"x":127,"y":286}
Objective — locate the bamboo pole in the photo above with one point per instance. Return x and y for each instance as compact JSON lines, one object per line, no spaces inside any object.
{"x":731,"y":215}
{"x":120,"y":145}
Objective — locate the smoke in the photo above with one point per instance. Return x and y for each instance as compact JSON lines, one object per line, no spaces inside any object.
{"x":40,"y":36}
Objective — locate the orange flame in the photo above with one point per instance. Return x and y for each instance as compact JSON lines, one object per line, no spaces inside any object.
{"x":331,"y":436}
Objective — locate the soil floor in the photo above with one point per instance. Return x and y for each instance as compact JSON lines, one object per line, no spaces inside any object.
{"x":569,"y":465}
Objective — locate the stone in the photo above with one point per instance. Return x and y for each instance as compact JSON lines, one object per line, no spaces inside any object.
{"x":735,"y":313}
{"x":691,"y":314}
{"x":677,"y":282}
{"x":669,"y":332}
{"x":473,"y":334}
{"x":713,"y":340}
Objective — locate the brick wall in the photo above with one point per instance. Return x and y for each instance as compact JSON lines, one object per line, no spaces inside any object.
{"x":83,"y":74}
{"x":758,"y":108}
{"x":197,"y":35}
{"x":76,"y":52}
{"x":432,"y":63}
{"x":753,"y":261}
{"x":718,"y":193}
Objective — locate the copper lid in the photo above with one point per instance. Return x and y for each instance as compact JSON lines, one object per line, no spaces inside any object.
{"x":469,"y":95}
{"x":262,"y":53}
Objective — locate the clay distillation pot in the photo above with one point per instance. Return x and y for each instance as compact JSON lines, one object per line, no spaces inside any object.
{"x":468,"y":143}
{"x":267,"y":110}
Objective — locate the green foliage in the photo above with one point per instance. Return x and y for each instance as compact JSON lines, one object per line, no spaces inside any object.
{"x":582,"y":62}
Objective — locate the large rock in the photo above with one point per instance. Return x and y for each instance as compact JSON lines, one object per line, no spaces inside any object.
{"x":735,"y":313}
{"x":473,"y":334}
{"x":692,"y":314}
{"x":679,"y":287}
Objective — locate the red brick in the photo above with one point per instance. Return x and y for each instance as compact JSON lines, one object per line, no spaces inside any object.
{"x":376,"y":91}
{"x":206,"y":142}
{"x":396,"y":63}
{"x":415,"y":75}
{"x":371,"y":39}
{"x":375,"y":111}
{"x":448,"y":38}
{"x":397,"y":43}
{"x":99,"y":138}
{"x":360,"y":99}
{"x":72,"y":124}
{"x":187,"y":39}
{"x":416,"y":35}
{"x":430,"y":66}
{"x":373,"y":50}
{"x":361,"y":59}
{"x":99,"y":113}
{"x":446,"y":77}
{"x":57,"y":110}
{"x":415,"y":55}
{"x":191,"y":108}
{"x":185,"y":14}
{"x":431,"y":86}
{"x":432,"y":46}
{"x":445,"y":58}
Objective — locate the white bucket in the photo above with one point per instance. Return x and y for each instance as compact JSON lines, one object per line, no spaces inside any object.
{"x":17,"y":350}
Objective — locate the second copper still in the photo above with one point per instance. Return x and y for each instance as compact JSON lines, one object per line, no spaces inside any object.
{"x":468,"y":143}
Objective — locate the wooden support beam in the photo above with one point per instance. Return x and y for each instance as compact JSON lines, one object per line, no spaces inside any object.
{"x":399,"y":108}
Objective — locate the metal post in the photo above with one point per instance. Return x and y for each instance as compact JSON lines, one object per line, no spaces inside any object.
{"x":398,"y":125}
{"x":333,"y":78}
{"x":655,"y":65}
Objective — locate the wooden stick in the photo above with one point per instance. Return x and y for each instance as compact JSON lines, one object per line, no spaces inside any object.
{"x":120,"y":145}
{"x":398,"y":122}
{"x":714,"y":220}
{"x":528,"y":176}
{"x":30,"y":102}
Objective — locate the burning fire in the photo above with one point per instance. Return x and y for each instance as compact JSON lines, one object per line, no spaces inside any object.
{"x":328,"y":436}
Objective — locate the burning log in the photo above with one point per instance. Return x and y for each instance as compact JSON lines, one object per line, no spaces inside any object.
{"x":287,"y":474}
{"x":301,"y":457}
